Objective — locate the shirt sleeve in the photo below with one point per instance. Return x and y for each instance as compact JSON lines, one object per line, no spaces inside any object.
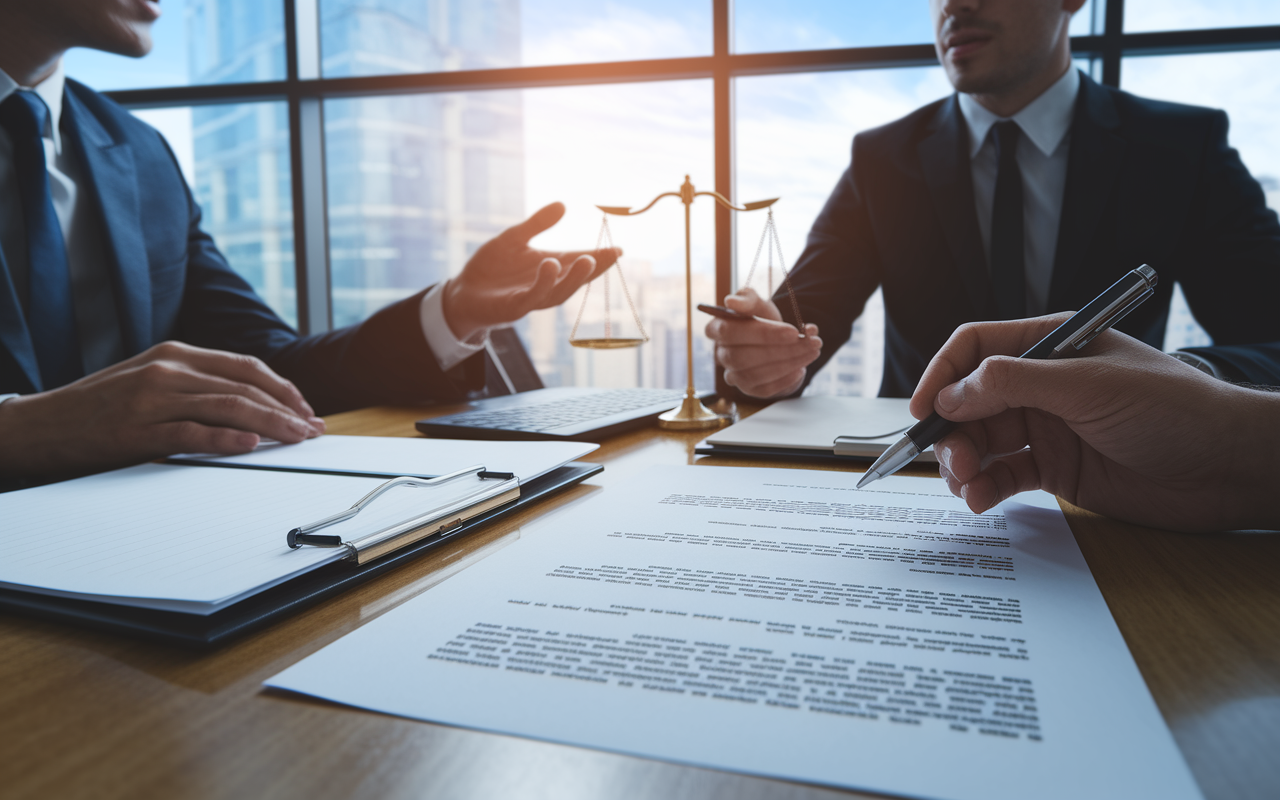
{"x":447,"y":348}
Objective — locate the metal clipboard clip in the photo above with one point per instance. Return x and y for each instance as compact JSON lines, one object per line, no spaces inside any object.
{"x":488,"y":496}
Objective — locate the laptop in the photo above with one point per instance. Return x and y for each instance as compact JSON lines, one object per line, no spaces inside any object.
{"x":520,"y":407}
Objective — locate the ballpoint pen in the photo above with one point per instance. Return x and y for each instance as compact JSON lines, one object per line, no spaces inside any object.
{"x":1083,"y":326}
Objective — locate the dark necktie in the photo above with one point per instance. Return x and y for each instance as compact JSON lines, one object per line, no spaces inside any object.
{"x":50,"y":313}
{"x":1008,"y":269}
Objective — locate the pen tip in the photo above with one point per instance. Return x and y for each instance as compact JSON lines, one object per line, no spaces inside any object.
{"x":870,"y":476}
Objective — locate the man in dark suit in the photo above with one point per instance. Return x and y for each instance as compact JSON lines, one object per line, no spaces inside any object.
{"x":125,"y":335}
{"x":1029,"y":191}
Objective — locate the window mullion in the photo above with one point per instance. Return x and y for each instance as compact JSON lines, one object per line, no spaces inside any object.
{"x":722,"y":83}
{"x":1112,"y":36}
{"x":307,"y":169}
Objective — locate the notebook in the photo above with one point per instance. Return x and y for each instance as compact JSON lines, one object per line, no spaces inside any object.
{"x":824,"y":428}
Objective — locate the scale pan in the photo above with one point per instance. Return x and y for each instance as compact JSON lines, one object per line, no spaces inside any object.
{"x":606,"y":344}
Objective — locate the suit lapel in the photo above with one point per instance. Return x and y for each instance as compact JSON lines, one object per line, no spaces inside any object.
{"x":1097,"y":152}
{"x":944,"y":160}
{"x":14,"y":334}
{"x":113,"y":183}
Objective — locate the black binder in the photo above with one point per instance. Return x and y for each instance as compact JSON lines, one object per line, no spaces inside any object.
{"x":271,"y":605}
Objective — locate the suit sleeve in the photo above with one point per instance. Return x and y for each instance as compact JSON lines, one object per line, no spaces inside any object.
{"x":1257,"y":364}
{"x":838,"y":270}
{"x":1231,"y":277}
{"x":384,"y":360}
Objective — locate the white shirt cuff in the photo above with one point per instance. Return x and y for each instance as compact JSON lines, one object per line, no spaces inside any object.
{"x":4,"y":397}
{"x":447,"y":348}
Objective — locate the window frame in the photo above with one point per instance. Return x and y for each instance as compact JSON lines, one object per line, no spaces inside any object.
{"x":304,"y":90}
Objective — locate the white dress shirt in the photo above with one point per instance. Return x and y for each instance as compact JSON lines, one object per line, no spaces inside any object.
{"x":1042,"y":156}
{"x":92,"y":289}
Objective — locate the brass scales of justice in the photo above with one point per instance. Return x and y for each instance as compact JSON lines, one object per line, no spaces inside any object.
{"x":691,"y":414}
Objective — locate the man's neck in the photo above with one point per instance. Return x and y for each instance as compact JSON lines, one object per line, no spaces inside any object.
{"x":1006,"y":104}
{"x":26,"y":55}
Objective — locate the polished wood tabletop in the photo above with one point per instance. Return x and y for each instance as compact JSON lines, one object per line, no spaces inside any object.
{"x":96,"y":715}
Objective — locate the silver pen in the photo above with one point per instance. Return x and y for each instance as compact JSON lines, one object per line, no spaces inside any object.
{"x":1104,"y":311}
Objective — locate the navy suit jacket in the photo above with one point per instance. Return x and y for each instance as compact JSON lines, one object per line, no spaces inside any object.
{"x":172,"y":283}
{"x":1147,"y":182}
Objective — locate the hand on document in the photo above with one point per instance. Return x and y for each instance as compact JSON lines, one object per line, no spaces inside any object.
{"x":173,"y":398}
{"x":764,"y":357}
{"x":1125,"y":430}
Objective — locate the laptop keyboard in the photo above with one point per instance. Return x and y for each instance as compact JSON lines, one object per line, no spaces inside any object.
{"x":555,"y":414}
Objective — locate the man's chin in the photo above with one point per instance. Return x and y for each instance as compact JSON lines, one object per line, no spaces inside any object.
{"x":131,"y":46}
{"x":974,"y":81}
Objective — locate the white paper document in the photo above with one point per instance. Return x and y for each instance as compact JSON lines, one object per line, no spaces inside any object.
{"x":782,"y":623}
{"x":386,"y":455}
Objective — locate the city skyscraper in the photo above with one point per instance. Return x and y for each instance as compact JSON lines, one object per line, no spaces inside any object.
{"x":241,"y":150}
{"x":415,"y":183}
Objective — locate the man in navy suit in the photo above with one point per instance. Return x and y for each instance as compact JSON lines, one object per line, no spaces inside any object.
{"x":1029,"y":191}
{"x":125,"y":335}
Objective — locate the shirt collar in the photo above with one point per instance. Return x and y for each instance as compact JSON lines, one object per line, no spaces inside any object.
{"x":1045,"y":120}
{"x":50,"y":91}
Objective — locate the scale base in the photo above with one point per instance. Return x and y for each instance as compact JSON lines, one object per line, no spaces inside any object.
{"x":692,"y":415}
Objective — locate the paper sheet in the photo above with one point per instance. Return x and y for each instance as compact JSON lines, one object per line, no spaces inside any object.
{"x":392,"y":456}
{"x":780,"y":622}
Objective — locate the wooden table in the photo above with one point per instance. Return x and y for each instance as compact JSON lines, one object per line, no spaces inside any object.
{"x":87,"y":714}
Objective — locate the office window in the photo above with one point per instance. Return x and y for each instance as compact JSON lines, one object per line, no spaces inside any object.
{"x":623,"y":145}
{"x":382,"y":37}
{"x":468,"y":115}
{"x":240,"y":160}
{"x":417,"y":183}
{"x":1176,"y":15}
{"x":768,"y":25}
{"x":196,"y":42}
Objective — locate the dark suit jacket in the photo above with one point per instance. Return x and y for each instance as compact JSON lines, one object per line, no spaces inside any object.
{"x":1147,"y":182}
{"x":172,"y":283}
{"x":1256,"y":364}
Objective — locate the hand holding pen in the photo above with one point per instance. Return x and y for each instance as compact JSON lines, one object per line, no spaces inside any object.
{"x":762,"y":355}
{"x":1122,"y":430}
{"x":1071,"y":335}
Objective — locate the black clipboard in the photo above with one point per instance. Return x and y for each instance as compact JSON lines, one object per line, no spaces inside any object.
{"x":274,"y":604}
